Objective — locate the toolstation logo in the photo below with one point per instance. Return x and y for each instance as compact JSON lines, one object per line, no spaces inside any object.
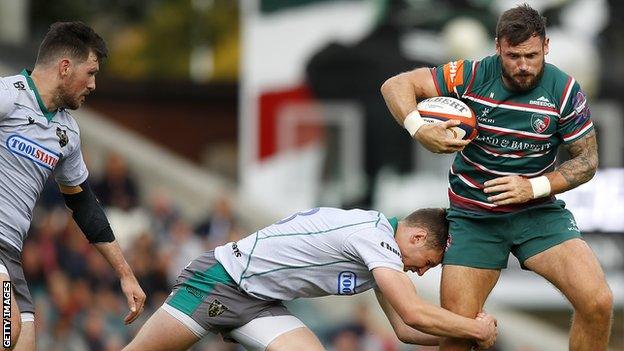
{"x":26,"y":148}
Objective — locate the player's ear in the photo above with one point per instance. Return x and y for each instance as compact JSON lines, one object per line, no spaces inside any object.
{"x":418,"y":237}
{"x":497,"y":43}
{"x":546,"y":47}
{"x":64,"y":66}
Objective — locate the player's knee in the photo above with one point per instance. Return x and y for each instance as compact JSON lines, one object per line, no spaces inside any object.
{"x":460,"y":307}
{"x":599,"y":306}
{"x":604,"y":303}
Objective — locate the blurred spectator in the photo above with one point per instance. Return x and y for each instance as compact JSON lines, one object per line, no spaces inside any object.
{"x":163,"y":213}
{"x":347,"y":338}
{"x":152,"y":274}
{"x":63,"y":338}
{"x":181,"y":246}
{"x":216,"y":227}
{"x":117,"y":187}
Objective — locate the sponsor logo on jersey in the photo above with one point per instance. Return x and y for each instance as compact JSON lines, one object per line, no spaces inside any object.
{"x":346,"y":283}
{"x":31,"y":120}
{"x":31,"y":150}
{"x":454,"y":74}
{"x":542,"y":101}
{"x":539,"y":123}
{"x":62,"y":135}
{"x":216,"y":308}
{"x":390,"y":248}
{"x":236,"y":251}
{"x":514,"y":144}
{"x":484,"y":112}
{"x":581,"y":107}
{"x":19,"y":85}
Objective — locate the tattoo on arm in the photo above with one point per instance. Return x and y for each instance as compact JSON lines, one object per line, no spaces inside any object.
{"x":583,"y":161}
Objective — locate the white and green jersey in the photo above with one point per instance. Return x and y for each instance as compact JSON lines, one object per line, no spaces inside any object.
{"x":320,"y":252}
{"x":519,"y":132}
{"x":34,"y":143}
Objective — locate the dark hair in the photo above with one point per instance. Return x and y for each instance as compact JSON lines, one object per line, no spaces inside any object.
{"x":74,"y":39}
{"x":519,"y":24}
{"x":434,"y":221}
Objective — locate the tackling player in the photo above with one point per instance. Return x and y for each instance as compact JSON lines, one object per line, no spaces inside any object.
{"x":237,"y":290}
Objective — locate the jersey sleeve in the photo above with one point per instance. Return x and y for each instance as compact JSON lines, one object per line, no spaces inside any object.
{"x":71,"y":169}
{"x":452,"y":78}
{"x":575,"y":120}
{"x":7,"y":98}
{"x":374,"y":248}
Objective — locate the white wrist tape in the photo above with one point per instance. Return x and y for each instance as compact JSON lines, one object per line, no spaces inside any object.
{"x":540,"y":186}
{"x":413,"y":122}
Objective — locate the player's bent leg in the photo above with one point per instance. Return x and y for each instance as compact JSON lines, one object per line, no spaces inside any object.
{"x":26,"y":341}
{"x":9,"y":340}
{"x":573,"y":268}
{"x":463,"y":290}
{"x":276,"y":333}
{"x":164,"y":332}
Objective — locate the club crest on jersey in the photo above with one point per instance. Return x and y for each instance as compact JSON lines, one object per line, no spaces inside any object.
{"x":346,"y":283}
{"x":216,"y":308}
{"x":62,"y":135}
{"x":539,"y":123}
{"x":29,"y":149}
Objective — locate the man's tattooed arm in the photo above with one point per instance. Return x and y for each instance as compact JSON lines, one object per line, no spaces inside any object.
{"x":581,"y":166}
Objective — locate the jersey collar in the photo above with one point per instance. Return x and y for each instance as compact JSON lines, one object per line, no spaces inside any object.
{"x":31,"y":84}
{"x":394,"y":222}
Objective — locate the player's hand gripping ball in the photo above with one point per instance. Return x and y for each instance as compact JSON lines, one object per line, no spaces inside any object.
{"x":442,"y":108}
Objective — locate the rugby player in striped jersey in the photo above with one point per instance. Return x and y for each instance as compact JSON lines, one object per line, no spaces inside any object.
{"x":502,"y":184}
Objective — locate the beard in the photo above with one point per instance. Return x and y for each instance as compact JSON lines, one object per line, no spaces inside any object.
{"x":67,"y":100}
{"x":522,"y":82}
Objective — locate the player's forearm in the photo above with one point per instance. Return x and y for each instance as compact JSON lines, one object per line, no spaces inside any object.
{"x":410,"y":335}
{"x":438,"y":321}
{"x":114,"y":256}
{"x":579,"y":169}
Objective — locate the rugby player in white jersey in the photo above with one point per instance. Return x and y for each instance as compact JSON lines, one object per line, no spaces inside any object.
{"x":237,"y":290}
{"x":38,"y":139}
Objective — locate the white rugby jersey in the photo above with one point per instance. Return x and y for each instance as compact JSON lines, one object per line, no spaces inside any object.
{"x":320,"y":252}
{"x":34,"y":143}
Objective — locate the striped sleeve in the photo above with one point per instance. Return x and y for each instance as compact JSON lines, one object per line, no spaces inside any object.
{"x":452,"y":78}
{"x":575,"y":120}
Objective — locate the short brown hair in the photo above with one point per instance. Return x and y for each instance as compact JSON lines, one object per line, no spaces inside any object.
{"x":434,"y":221}
{"x":519,"y":24}
{"x":74,"y":39}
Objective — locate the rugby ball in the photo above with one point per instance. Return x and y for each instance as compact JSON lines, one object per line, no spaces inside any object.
{"x":442,"y":108}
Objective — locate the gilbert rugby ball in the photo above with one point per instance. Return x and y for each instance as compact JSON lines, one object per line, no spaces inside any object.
{"x":442,"y":108}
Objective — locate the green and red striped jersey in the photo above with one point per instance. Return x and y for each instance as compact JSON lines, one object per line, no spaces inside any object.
{"x":519,"y":132}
